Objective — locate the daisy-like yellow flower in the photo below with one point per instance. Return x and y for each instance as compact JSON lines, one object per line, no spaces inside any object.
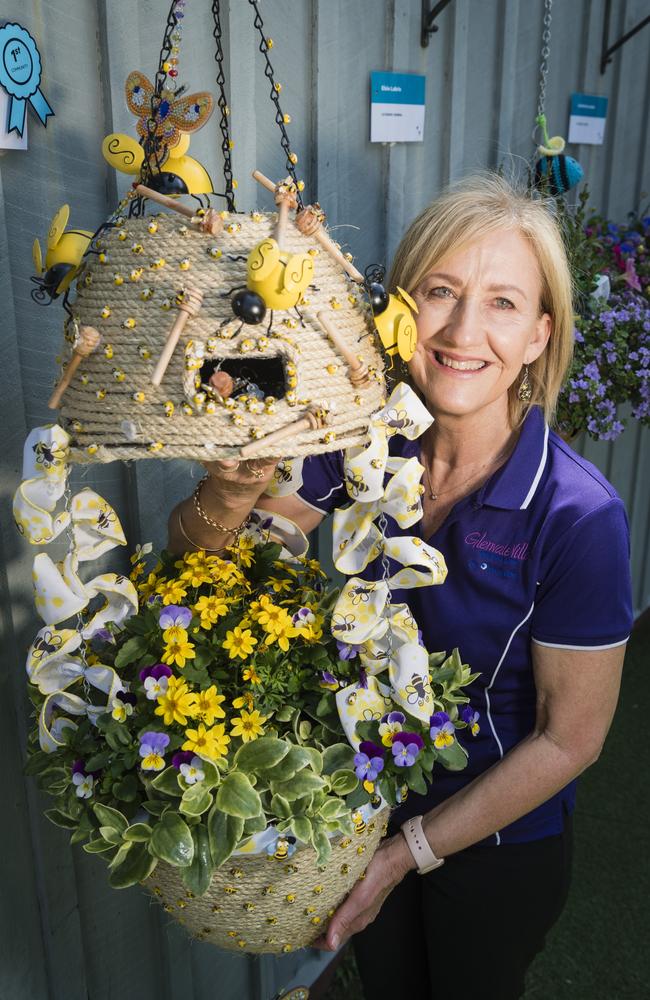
{"x":244,"y":701}
{"x":177,"y":703}
{"x":197,"y":568}
{"x":148,"y":586}
{"x":244,"y":550}
{"x":281,"y":586}
{"x":171,"y":591}
{"x":208,"y":705}
{"x":137,"y":571}
{"x":282,"y":634}
{"x":250,"y":674}
{"x":211,"y":742}
{"x":239,"y":642}
{"x":273,"y":618}
{"x":248,"y":725}
{"x":211,"y":609}
{"x":177,"y":651}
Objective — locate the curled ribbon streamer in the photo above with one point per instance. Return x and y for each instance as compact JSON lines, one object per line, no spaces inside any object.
{"x":265,"y":524}
{"x":359,"y":613}
{"x":410,"y":680}
{"x":60,"y":594}
{"x":287,"y":478}
{"x":59,"y":671}
{"x":375,"y":654}
{"x":364,"y":466}
{"x":51,"y":727}
{"x":404,"y":413}
{"x":44,"y":480}
{"x":96,"y":526}
{"x":361,"y":703}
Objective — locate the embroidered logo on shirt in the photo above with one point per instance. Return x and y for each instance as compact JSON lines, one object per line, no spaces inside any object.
{"x":480,"y":541}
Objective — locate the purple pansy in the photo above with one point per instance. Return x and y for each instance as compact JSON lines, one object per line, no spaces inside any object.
{"x":394,"y":717}
{"x":471,"y":717}
{"x":305,"y":616}
{"x":347,"y":651}
{"x":441,"y":730}
{"x":369,"y":762}
{"x":157,"y":671}
{"x":152,"y":749}
{"x":175,"y":615}
{"x":371,"y":749}
{"x":182,"y":757}
{"x":405,"y":748}
{"x":328,"y":680}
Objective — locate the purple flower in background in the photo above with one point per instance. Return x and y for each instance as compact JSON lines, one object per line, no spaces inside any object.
{"x":347,"y":651}
{"x":405,"y":748}
{"x":471,"y":717}
{"x":182,"y":757}
{"x":175,"y":615}
{"x":390,"y":726}
{"x":158,"y":670}
{"x":78,"y":767}
{"x":328,"y":680}
{"x":441,"y":730}
{"x":152,"y":749}
{"x":366,"y":767}
{"x":371,"y":749}
{"x":102,"y":635}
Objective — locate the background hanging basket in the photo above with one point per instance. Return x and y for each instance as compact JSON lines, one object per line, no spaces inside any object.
{"x":129,"y":293}
{"x":264,"y":904}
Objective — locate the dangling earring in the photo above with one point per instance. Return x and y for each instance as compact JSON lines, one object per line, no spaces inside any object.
{"x":525,"y":390}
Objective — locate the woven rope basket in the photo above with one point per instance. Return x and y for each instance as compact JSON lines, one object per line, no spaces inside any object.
{"x":259,"y":904}
{"x":128,"y":293}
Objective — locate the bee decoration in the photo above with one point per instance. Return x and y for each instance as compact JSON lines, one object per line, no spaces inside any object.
{"x":358,"y":822}
{"x":360,"y":595}
{"x":104,"y":519}
{"x":555,"y":172}
{"x":343,"y":623}
{"x":172,"y":171}
{"x":418,"y":691}
{"x":65,"y":248}
{"x":355,"y":483}
{"x":46,"y":643}
{"x":282,"y":849}
{"x":393,"y":315}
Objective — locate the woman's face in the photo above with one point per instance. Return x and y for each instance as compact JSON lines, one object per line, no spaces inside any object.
{"x":479,"y":321}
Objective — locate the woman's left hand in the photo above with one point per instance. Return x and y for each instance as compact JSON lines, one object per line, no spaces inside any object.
{"x":388,"y":867}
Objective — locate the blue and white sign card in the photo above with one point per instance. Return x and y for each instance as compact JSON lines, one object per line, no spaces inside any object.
{"x":587,"y":119}
{"x":396,"y":107}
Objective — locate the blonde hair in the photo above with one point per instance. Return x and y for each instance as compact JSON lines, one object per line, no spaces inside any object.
{"x":466,"y":212}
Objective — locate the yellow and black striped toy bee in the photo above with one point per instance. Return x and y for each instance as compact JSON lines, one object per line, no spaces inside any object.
{"x":358,"y":822}
{"x":343,"y":623}
{"x":282,"y":849}
{"x":393,"y":315}
{"x":65,"y":248}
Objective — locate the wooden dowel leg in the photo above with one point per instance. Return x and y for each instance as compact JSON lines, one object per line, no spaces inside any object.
{"x":263,"y":180}
{"x":164,"y":200}
{"x":358,"y":371}
{"x":88,"y":340}
{"x":310,"y":421}
{"x":189,"y":307}
{"x":329,"y":246}
{"x":281,"y":224}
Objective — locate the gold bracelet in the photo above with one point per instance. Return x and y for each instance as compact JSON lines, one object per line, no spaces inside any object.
{"x":213,"y":522}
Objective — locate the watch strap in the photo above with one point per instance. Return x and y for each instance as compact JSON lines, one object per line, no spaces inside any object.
{"x":419,"y":846}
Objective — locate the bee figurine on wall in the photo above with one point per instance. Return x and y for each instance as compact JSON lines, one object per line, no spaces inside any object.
{"x":173,"y":172}
{"x":65,"y":248}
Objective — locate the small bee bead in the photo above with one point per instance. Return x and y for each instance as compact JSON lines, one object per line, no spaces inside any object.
{"x":210,"y":407}
{"x":118,"y":279}
{"x":335,"y":304}
{"x":183,"y":230}
{"x":129,"y":323}
{"x":138,"y":397}
{"x":187,"y":409}
{"x":155,"y":446}
{"x":309,"y":909}
{"x":135,"y":274}
{"x":156,"y":264}
{"x":118,"y":375}
{"x":257,"y":217}
{"x":198,"y":398}
{"x":345,"y":869}
{"x":290,"y":323}
{"x":152,"y":227}
{"x":249,"y":907}
{"x":315,"y":920}
{"x":137,"y":248}
{"x":256,"y":433}
{"x":233,"y":227}
{"x":184,"y":264}
{"x":101,"y":394}
{"x":215,"y":253}
{"x":166,"y":304}
{"x":329,"y":437}
{"x":254,"y":406}
{"x":77,"y":426}
{"x":237,"y":419}
{"x":246,"y":345}
{"x":123,"y":236}
{"x":360,"y":850}
{"x":216,"y":908}
{"x":146,"y":294}
{"x":318,"y":889}
{"x":290,"y":897}
{"x":313,"y":252}
{"x":103,"y":258}
{"x":144,"y":352}
{"x":358,"y":400}
{"x":84,"y":378}
{"x":169,"y":408}
{"x":92,"y":449}
{"x":88,"y":280}
{"x":105,"y":313}
{"x":286,"y":948}
{"x":332,"y":369}
{"x":271,"y":920}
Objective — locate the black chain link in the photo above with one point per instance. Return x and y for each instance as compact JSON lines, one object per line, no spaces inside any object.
{"x":223,"y":108}
{"x":279,"y":116}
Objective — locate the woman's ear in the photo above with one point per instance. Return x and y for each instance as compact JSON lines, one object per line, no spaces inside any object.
{"x":539,"y":339}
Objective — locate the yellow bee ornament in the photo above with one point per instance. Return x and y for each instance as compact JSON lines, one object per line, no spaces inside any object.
{"x":395,"y":323}
{"x":280,"y":278}
{"x":65,"y":248}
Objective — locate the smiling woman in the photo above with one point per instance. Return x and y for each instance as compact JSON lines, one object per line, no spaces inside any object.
{"x":534,"y":599}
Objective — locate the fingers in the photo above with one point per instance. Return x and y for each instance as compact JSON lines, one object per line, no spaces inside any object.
{"x":249,"y":471}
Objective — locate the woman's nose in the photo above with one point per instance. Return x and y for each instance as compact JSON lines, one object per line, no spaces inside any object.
{"x":464,"y":327}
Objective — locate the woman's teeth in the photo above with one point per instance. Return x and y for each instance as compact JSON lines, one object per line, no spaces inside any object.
{"x":463,"y":366}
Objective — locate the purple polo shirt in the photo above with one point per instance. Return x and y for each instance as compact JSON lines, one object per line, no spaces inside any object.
{"x":540,"y":553}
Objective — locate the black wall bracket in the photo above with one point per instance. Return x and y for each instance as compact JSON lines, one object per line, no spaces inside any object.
{"x":429,"y":15}
{"x":607,"y":49}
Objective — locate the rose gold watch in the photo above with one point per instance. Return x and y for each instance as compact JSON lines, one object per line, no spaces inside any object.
{"x":419,"y":846}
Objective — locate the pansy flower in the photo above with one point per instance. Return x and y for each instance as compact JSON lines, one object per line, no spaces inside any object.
{"x":328,"y":681}
{"x":389,"y":726}
{"x":156,"y":687}
{"x":471,"y":717}
{"x":122,"y":705}
{"x":182,"y":757}
{"x":152,"y":749}
{"x":193,"y":771}
{"x":406,"y":748}
{"x":84,"y":784}
{"x":347,"y":650}
{"x":441,"y":730}
{"x":369,"y":762}
{"x":174,"y":615}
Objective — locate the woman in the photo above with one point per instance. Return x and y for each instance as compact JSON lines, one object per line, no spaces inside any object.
{"x":537,"y":598}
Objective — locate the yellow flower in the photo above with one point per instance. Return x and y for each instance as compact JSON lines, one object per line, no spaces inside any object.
{"x":175,"y":633}
{"x":248,"y":725}
{"x":137,"y":571}
{"x":171,"y":591}
{"x":244,"y":550}
{"x":283,"y":634}
{"x":197,"y":568}
{"x":239,"y":642}
{"x":244,"y":701}
{"x":281,"y":586}
{"x":178,"y":651}
{"x":211,"y":742}
{"x":177,"y":702}
{"x":251,"y":674}
{"x":210,"y":609}
{"x":208,"y":705}
{"x":273,"y":618}
{"x":148,"y":586}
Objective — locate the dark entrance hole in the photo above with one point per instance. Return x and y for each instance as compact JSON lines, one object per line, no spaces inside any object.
{"x":265,"y":373}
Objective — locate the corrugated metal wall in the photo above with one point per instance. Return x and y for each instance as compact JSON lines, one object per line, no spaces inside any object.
{"x":63,"y":934}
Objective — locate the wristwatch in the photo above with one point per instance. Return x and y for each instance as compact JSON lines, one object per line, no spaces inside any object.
{"x":419,"y":846}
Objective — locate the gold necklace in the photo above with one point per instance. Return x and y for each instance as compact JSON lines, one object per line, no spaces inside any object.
{"x":434,"y":495}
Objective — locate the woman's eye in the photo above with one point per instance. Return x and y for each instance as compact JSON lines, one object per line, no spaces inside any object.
{"x":504,"y":303}
{"x":439,"y":292}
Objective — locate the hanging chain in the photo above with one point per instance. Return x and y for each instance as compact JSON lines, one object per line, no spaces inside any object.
{"x":280,"y":118}
{"x":382,"y":524}
{"x":540,"y":120}
{"x":226,"y":142}
{"x":72,"y":547}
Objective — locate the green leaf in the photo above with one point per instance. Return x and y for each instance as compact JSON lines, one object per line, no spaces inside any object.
{"x":110,"y":834}
{"x":120,"y":855}
{"x":135,"y":867}
{"x":167,"y":782}
{"x":261,"y":754}
{"x":211,"y":772}
{"x":453,"y":758}
{"x":427,"y":759}
{"x":198,"y":875}
{"x":304,"y":729}
{"x":255,"y":825}
{"x":108,"y":816}
{"x":293,"y":762}
{"x":196,"y":800}
{"x":322,"y":846}
{"x":224,"y":834}
{"x":60,"y":819}
{"x":415,"y":779}
{"x":368,"y":731}
{"x":126,"y":789}
{"x":284,"y":714}
{"x":386,"y":785}
{"x":301,"y":827}
{"x":331,"y":809}
{"x":237,"y":797}
{"x":37,"y":762}
{"x":302,"y":783}
{"x":138,"y":832}
{"x":344,"y":781}
{"x":97,"y":846}
{"x":336,"y":757}
{"x":315,"y":759}
{"x":280,"y":807}
{"x":132,"y":650}
{"x":156,"y":808}
{"x":171,"y":841}
{"x":97,"y":761}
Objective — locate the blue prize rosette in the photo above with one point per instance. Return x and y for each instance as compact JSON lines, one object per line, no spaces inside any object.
{"x":20,"y":75}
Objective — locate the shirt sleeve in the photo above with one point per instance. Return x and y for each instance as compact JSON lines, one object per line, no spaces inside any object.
{"x":323,"y":482}
{"x":584,"y":600}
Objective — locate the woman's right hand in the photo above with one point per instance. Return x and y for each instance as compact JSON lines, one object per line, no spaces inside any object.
{"x":235,"y":485}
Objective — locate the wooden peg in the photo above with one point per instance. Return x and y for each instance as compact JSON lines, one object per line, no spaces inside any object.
{"x":309,"y":221}
{"x":190,"y":306}
{"x":312,"y":420}
{"x":211,"y":222}
{"x":264,"y":181}
{"x":285,"y":198}
{"x":87,"y":341}
{"x":358,"y":371}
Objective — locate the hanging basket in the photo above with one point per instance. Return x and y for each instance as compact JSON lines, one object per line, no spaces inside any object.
{"x":263,"y":904}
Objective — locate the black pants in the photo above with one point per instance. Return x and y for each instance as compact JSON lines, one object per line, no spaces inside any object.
{"x":470,"y":929}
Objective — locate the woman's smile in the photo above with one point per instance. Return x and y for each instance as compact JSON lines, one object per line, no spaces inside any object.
{"x":456,"y":365}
